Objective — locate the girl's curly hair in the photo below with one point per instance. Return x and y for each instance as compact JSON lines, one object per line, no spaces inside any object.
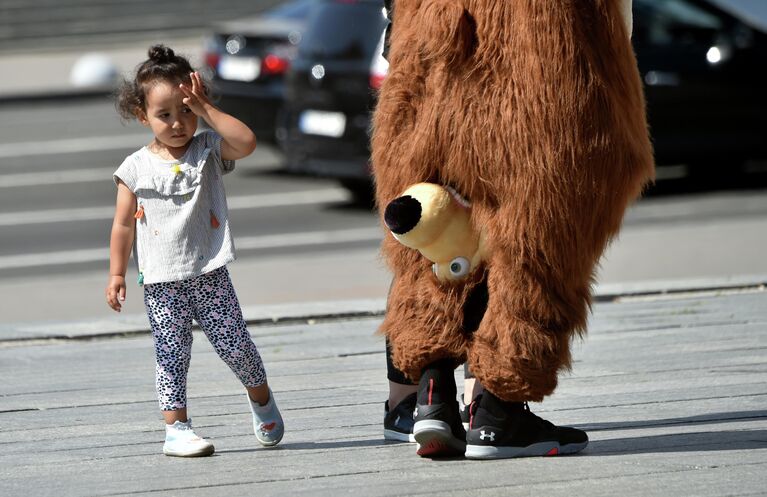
{"x":162,"y":65}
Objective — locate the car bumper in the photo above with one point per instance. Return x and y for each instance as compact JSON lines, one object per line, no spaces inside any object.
{"x":357,"y":169}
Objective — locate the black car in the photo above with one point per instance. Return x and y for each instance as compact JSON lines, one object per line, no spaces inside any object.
{"x":330,"y":92}
{"x":705,"y":75}
{"x":704,"y":69}
{"x":248,"y":59}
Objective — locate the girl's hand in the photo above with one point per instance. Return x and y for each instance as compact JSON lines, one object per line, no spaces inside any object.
{"x":196,"y":99}
{"x":238,"y":140}
{"x":116,"y":292}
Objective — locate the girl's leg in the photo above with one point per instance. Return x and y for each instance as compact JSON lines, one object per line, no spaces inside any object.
{"x":167,"y":306}
{"x":259,"y":394}
{"x":218,"y":312}
{"x":220,"y":316}
{"x":171,"y":417}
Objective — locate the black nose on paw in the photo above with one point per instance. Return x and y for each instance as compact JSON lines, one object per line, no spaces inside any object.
{"x":402,"y":214}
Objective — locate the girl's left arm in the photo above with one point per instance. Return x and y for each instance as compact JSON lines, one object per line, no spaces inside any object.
{"x":238,"y":140}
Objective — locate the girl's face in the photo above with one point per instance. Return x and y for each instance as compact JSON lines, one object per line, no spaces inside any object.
{"x":171,"y":121}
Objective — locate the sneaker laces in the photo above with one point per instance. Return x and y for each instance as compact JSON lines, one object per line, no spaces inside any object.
{"x":183,"y":431}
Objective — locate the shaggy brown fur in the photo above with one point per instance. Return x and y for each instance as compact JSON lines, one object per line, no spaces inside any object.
{"x":533,"y":110}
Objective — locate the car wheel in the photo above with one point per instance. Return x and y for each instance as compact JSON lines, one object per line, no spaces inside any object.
{"x":720,"y":171}
{"x":361,"y":190}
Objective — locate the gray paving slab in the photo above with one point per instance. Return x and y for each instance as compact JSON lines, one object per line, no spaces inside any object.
{"x":671,"y":389}
{"x":131,"y":324}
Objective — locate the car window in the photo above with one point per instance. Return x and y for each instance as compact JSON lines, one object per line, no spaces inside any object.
{"x":666,"y":22}
{"x":343,"y":30}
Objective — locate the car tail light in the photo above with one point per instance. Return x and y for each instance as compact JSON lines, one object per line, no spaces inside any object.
{"x":212,"y":59}
{"x":376,"y":80}
{"x":379,"y":67}
{"x":273,"y":64}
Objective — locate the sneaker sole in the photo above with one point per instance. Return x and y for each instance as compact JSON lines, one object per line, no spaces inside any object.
{"x":436,"y":439}
{"x":534,"y":450}
{"x":268,"y":443}
{"x":208,"y":451}
{"x":396,"y":436}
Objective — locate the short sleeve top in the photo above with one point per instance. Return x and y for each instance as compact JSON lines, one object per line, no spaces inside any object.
{"x":182,"y":219}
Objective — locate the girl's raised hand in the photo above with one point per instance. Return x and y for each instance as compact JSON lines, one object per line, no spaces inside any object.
{"x":195,"y":98}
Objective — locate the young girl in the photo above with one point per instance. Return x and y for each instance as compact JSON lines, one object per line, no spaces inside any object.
{"x":171,"y":201}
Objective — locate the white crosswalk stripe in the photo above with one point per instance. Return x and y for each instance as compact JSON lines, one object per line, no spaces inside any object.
{"x":73,"y":145}
{"x":312,"y":238}
{"x":265,"y":200}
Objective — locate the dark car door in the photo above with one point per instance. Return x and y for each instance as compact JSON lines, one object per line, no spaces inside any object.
{"x":704,"y":79}
{"x":328,"y":93}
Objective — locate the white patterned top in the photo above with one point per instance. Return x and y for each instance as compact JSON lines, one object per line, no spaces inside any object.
{"x":182,"y":221}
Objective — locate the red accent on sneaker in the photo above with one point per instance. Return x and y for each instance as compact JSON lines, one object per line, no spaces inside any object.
{"x":269,"y":427}
{"x":432,"y":448}
{"x":431,"y":388}
{"x":471,"y":414}
{"x":553,"y":452}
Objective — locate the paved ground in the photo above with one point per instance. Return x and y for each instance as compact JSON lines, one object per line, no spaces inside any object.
{"x":670,"y":388}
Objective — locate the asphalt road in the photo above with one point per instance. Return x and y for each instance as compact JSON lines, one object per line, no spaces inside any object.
{"x":298,"y":239}
{"x":45,"y":25}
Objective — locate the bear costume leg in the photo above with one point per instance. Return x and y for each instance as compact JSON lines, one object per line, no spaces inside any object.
{"x":424,"y":321}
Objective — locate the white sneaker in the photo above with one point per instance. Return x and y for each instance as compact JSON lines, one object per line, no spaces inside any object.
{"x":267,"y":421}
{"x":182,"y":441}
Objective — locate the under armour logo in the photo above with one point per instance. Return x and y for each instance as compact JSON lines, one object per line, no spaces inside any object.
{"x":490,"y":436}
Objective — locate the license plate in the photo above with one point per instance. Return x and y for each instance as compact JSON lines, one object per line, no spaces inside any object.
{"x":239,"y":68}
{"x":315,"y":122}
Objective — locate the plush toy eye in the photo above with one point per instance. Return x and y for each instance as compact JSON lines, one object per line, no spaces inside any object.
{"x":434,"y":268}
{"x":459,"y":267}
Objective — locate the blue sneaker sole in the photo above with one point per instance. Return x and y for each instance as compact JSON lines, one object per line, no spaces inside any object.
{"x":396,"y":436}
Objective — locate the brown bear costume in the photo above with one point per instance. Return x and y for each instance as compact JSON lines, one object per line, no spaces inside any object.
{"x":533,"y":110}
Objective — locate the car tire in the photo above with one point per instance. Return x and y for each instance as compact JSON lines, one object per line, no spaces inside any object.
{"x":720,"y":171}
{"x":361,"y":190}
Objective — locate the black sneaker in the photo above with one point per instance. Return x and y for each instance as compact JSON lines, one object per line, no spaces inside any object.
{"x":437,"y":427}
{"x":398,"y":423}
{"x":500,"y":430}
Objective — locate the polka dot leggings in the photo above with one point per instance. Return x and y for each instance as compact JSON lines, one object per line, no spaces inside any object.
{"x":210,"y":300}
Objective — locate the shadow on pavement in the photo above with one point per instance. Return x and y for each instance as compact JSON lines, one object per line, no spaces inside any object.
{"x":346,"y":444}
{"x":680,"y":442}
{"x":709,"y":418}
